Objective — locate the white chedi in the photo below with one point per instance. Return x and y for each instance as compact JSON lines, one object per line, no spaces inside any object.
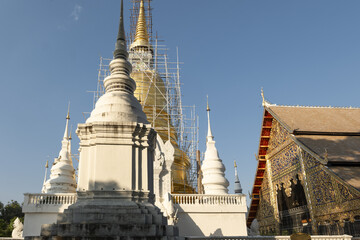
{"x":213,"y":169}
{"x":62,"y":177}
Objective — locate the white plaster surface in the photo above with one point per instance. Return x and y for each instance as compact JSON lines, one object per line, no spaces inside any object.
{"x":217,"y":217}
{"x":39,"y":211}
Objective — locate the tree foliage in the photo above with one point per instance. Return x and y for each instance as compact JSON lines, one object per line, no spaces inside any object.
{"x":8,"y":214}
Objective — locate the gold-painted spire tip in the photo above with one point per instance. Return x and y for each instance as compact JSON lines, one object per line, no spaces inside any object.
{"x":141,"y":35}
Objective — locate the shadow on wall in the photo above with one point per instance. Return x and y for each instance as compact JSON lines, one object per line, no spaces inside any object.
{"x":339,"y":149}
{"x":217,"y":233}
{"x":107,"y":186}
{"x":186,"y":225}
{"x":107,"y":189}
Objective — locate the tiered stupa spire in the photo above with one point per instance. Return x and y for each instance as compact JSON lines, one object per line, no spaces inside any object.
{"x":237,"y":185}
{"x":213,"y":169}
{"x":62,"y":177}
{"x":118,"y":103}
{"x":141,"y":36}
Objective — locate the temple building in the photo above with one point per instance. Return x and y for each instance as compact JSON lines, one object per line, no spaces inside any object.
{"x":133,"y":177}
{"x":115,"y":185}
{"x":308,"y":172}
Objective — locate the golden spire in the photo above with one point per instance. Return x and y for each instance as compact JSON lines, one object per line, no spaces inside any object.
{"x":235,"y":164}
{"x":141,"y":36}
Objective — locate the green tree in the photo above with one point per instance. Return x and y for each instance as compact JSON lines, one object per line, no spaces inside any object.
{"x":8,"y":214}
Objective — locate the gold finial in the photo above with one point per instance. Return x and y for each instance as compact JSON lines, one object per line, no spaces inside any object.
{"x":47,"y":164}
{"x":141,"y":36}
{"x":235,"y":164}
{"x":207,"y":103}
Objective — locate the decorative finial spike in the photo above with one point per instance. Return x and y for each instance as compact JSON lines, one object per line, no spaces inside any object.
{"x":207,"y":103}
{"x":66,"y":133}
{"x":235,"y":164}
{"x":47,"y":164}
{"x":68,"y":113}
{"x":120,"y":46}
{"x":262,"y":95}
{"x":209,"y":135}
{"x":264,"y":102}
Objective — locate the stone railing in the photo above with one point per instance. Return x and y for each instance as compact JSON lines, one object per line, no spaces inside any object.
{"x":314,"y":237}
{"x":50,"y":199}
{"x":203,"y":199}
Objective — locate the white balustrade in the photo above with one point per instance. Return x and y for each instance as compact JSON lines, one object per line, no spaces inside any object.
{"x":50,"y":199}
{"x":203,"y":199}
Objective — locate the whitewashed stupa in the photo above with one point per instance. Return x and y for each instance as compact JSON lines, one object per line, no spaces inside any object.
{"x":213,"y":169}
{"x":62,"y":177}
{"x":237,"y":185}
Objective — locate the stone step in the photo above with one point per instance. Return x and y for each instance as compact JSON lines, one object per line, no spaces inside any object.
{"x":106,"y":218}
{"x":108,"y":230}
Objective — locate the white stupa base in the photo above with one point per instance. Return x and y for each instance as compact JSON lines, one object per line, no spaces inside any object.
{"x":210,"y":215}
{"x":42,"y":209}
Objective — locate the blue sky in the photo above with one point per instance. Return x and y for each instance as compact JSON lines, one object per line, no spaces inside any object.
{"x":301,"y":52}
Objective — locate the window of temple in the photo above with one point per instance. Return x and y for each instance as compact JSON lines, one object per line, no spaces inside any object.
{"x":293,"y":211}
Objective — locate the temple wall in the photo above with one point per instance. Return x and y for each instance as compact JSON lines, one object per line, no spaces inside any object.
{"x":42,"y":209}
{"x":334,"y":201}
{"x":321,"y":197}
{"x":210,"y":215}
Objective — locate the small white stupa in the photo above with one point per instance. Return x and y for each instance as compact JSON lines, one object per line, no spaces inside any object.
{"x":237,"y":185}
{"x":62,"y":177}
{"x":213,"y":169}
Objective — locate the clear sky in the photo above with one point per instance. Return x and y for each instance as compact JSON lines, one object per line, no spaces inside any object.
{"x":301,"y":52}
